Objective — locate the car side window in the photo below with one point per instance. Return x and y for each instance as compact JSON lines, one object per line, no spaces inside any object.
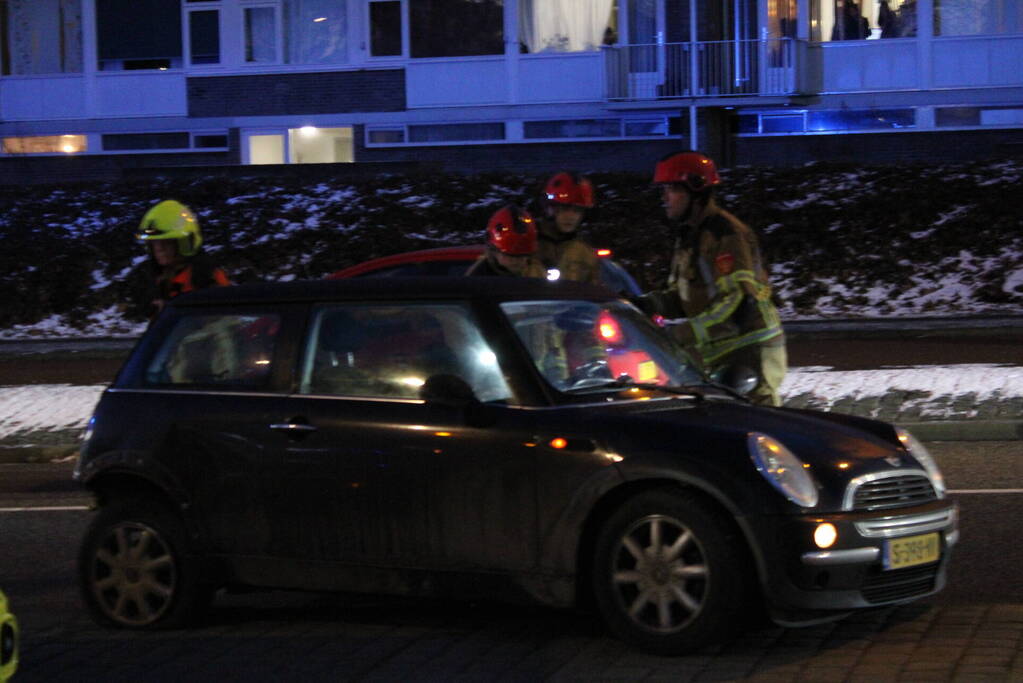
{"x":222,"y":350}
{"x":389,"y":351}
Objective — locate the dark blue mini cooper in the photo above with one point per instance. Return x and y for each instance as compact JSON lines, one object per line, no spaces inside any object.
{"x":485,"y":437}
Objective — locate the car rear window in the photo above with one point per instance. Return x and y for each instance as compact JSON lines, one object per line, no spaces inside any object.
{"x":219,"y":350}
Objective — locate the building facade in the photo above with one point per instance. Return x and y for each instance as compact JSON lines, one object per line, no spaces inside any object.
{"x":100,"y":89}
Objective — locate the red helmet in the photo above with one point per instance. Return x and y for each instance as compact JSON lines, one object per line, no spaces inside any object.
{"x":695,"y":170}
{"x":512,"y":230}
{"x":569,"y":188}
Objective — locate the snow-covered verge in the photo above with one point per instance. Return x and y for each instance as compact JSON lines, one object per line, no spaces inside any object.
{"x":50,"y":413}
{"x":842,"y":241}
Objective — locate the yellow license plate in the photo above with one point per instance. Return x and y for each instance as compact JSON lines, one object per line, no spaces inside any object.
{"x":911,"y":551}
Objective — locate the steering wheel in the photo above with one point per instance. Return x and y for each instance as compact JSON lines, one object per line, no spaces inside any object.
{"x":590,"y":374}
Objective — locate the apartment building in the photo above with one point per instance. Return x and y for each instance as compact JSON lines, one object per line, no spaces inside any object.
{"x":95,"y":89}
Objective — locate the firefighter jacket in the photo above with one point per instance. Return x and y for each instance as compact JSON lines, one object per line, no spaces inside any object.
{"x":163,"y":284}
{"x":719,"y":278}
{"x":574,"y":259}
{"x":488,"y":266}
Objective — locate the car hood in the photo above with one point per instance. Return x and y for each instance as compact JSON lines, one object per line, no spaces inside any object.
{"x":712,"y":433}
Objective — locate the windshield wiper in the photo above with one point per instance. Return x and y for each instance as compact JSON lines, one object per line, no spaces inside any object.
{"x":616,"y":384}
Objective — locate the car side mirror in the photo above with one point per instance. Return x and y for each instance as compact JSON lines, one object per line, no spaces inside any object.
{"x":738,"y":378}
{"x":451,"y":391}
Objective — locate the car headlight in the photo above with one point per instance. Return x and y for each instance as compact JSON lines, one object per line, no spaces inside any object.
{"x":917,"y":450}
{"x":782,"y":469}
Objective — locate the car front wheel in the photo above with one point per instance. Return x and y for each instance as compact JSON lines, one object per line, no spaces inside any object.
{"x":668,"y":573}
{"x":136,"y":569}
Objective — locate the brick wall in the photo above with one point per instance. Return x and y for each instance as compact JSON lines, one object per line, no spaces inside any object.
{"x":874,"y":148}
{"x":528,"y":158}
{"x":335,"y":92}
{"x":112,"y":167}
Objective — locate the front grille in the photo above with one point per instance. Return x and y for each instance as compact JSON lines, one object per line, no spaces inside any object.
{"x":904,"y":490}
{"x":900,"y":583}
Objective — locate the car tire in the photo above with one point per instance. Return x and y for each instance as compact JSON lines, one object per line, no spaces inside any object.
{"x":137,"y":570}
{"x":668,"y":573}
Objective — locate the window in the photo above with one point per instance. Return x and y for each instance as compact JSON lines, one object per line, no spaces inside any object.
{"x":859,"y":119}
{"x":317,"y":31}
{"x":266,"y":148}
{"x":643,"y":128}
{"x":824,"y":121}
{"x":833,"y":20}
{"x":209,"y":141}
{"x":578,"y":128}
{"x":783,"y":123}
{"x":142,"y":141}
{"x":456,"y":28}
{"x":566,"y":25}
{"x":455,"y":132}
{"x":260,"y":35}
{"x":204,"y":37}
{"x":138,"y":34}
{"x":385,"y":136}
{"x":977,"y":17}
{"x":385,"y":29}
{"x":947,"y":117}
{"x":216,"y":350}
{"x":45,"y":144}
{"x":312,"y":145}
{"x":41,"y":36}
{"x":389,"y":351}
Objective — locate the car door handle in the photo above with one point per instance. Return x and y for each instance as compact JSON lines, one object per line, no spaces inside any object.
{"x":292,"y":427}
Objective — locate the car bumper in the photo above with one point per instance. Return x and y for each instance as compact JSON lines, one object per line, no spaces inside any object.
{"x":867,"y":566}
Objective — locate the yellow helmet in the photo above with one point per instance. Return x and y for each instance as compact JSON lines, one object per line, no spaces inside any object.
{"x":172,"y":220}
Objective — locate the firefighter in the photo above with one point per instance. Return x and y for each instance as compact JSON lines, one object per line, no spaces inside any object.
{"x":511,"y":246}
{"x":718,"y":281}
{"x":566,"y":197}
{"x":177,"y":264}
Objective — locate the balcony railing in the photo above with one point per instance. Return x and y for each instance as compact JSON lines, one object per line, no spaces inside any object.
{"x":702,"y":69}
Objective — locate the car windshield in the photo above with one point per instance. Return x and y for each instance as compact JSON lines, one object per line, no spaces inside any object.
{"x":582,"y":346}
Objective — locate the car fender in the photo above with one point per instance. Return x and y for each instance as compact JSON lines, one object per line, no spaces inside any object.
{"x":133,"y":464}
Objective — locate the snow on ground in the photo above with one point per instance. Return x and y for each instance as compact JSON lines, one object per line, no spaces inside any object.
{"x":49,"y":407}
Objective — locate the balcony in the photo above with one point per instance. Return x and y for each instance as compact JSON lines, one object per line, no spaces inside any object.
{"x":708,"y":69}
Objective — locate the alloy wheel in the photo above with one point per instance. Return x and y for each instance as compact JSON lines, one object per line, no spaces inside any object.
{"x":660,"y":574}
{"x":133,"y":574}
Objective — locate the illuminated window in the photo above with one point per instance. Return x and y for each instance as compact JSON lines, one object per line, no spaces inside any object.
{"x":45,"y":144}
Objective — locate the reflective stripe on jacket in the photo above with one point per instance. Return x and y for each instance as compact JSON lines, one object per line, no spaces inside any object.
{"x":718,"y":275}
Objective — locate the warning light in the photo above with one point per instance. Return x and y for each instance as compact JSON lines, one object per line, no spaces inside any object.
{"x":609,"y":329}
{"x":604,"y":253}
{"x":558,"y":443}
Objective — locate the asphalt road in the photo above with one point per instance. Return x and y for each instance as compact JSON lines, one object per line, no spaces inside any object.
{"x":968,"y":632}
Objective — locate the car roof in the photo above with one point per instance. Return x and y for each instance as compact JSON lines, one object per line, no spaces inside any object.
{"x":369,"y":289}
{"x":461,"y":253}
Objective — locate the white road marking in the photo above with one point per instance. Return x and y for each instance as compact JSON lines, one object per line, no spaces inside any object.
{"x":60,"y":508}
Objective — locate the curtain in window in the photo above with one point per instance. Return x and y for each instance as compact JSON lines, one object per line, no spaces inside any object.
{"x":563,"y":25}
{"x":44,"y":36}
{"x":317,"y":31}
{"x":977,"y":17}
{"x":260,"y":38}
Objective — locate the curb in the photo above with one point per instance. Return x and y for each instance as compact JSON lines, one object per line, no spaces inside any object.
{"x":28,"y":454}
{"x":966,"y":430}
